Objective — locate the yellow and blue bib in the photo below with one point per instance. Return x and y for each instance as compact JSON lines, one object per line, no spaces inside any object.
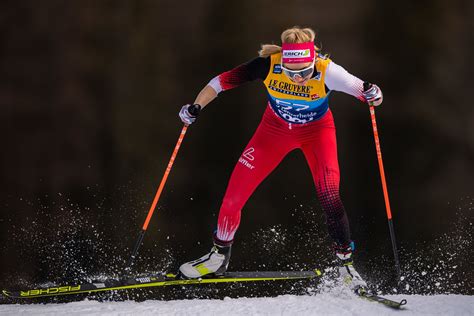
{"x":297,"y":104}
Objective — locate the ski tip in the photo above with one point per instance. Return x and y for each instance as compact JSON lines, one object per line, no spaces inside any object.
{"x":403,"y":302}
{"x":318,"y":272}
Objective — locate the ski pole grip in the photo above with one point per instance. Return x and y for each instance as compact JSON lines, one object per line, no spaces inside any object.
{"x":367,"y":85}
{"x":194,"y":109}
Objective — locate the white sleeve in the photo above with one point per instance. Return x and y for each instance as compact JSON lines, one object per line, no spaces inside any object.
{"x":338,"y":79}
{"x":215,"y":84}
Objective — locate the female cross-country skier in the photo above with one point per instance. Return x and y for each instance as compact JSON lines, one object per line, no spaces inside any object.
{"x":298,"y":79}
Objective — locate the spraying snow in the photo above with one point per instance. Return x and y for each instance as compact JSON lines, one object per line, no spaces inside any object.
{"x":321,"y":304}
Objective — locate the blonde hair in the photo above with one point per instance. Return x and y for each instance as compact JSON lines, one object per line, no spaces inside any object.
{"x":295,"y":34}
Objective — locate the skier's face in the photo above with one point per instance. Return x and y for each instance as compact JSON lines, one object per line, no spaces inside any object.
{"x":299,"y":73}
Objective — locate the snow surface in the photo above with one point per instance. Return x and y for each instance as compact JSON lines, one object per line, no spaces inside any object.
{"x":320,"y":304}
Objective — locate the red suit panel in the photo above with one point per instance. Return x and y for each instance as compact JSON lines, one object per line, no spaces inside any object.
{"x":272,"y":141}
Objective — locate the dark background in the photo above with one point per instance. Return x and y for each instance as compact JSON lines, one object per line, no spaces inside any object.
{"x":89,"y":96}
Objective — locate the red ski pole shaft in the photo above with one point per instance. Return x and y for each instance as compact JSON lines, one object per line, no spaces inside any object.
{"x":384,"y":188}
{"x":165,"y":177}
{"x":157,"y":196}
{"x":379,"y":158}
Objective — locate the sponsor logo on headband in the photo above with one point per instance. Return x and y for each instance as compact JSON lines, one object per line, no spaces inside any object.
{"x":299,"y":53}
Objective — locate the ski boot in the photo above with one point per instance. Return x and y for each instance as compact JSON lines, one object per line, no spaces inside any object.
{"x":214,"y":263}
{"x":347,"y":272}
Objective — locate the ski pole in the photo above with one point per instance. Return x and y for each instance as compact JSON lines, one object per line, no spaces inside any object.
{"x":193,"y":110}
{"x":367,"y":86}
